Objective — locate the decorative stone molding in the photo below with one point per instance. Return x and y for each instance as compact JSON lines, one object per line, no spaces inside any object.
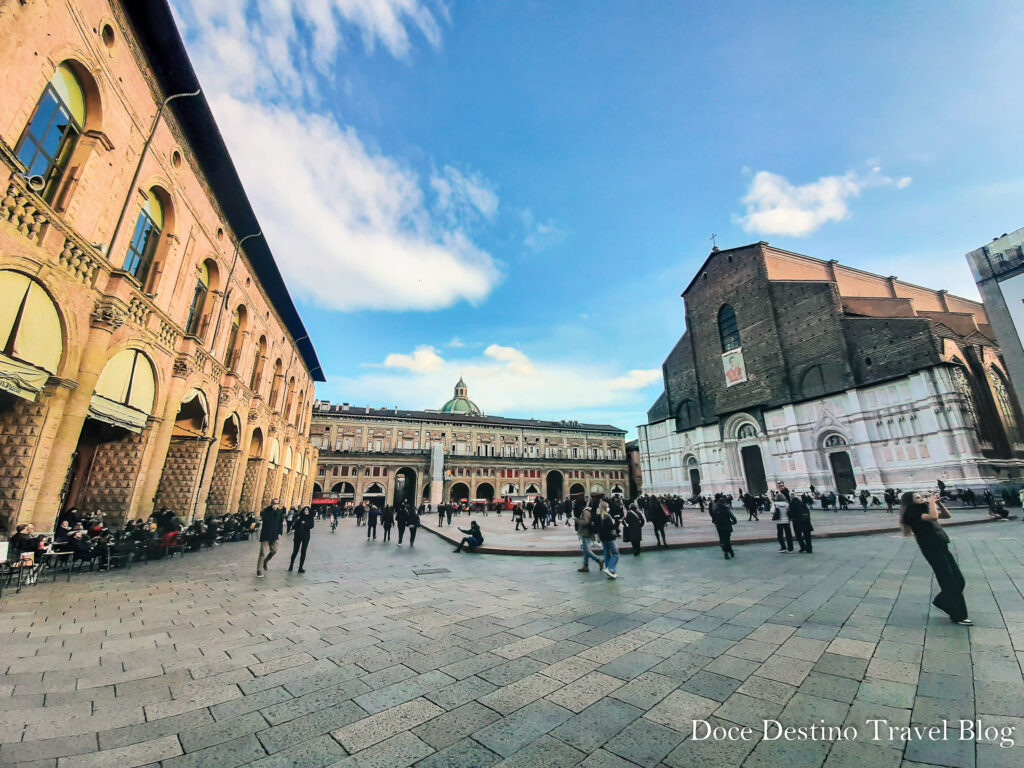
{"x":253,"y":415}
{"x":108,"y":314}
{"x":225,"y":396}
{"x":78,"y":262}
{"x":181,"y":367}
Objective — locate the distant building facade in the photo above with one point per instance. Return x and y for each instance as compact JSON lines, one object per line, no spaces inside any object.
{"x":807,"y":372}
{"x":459,"y":453}
{"x":148,"y":357}
{"x":998,"y":269}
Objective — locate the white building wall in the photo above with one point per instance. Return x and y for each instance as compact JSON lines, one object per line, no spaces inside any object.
{"x":903,"y":434}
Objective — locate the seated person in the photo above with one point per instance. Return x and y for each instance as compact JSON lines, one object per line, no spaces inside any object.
{"x":474,"y":538}
{"x":24,"y":541}
{"x":63,"y":533}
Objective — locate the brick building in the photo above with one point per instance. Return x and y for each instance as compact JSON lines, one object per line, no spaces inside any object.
{"x":151,"y":353}
{"x":457,"y":452}
{"x":805,"y":371}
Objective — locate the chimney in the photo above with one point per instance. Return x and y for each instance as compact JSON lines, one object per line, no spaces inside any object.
{"x":344,"y":406}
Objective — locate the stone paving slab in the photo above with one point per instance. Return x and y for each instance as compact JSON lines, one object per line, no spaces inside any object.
{"x":512,"y":661}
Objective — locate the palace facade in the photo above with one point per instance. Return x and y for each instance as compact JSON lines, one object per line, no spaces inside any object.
{"x":151,"y":355}
{"x":807,"y":372}
{"x":459,"y":453}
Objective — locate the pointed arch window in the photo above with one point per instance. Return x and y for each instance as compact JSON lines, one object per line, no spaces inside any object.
{"x":1005,"y":406}
{"x":728,"y":328}
{"x":144,"y":240}
{"x":963,"y":385}
{"x":51,"y":134}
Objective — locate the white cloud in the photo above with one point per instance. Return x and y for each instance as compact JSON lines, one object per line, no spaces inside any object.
{"x":464,"y":197}
{"x":775,"y":206}
{"x":540,"y":236}
{"x":423,"y":358}
{"x":502,"y":380}
{"x":350,"y":227}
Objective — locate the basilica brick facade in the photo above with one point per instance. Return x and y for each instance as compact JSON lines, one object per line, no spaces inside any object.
{"x":808,"y":372}
{"x":151,"y":354}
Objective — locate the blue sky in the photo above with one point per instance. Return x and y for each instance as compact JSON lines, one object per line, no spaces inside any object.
{"x":519,"y":191}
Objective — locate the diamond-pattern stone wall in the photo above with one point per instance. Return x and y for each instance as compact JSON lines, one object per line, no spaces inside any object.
{"x":20,"y":426}
{"x":220,"y":485}
{"x":268,"y":487}
{"x":181,"y":468}
{"x":112,"y":477}
{"x":252,"y":476}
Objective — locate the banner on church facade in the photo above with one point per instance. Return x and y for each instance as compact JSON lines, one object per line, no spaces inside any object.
{"x":734,"y":367}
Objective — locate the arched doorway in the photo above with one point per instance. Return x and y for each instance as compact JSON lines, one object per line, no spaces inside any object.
{"x":577,"y":491}
{"x":617,"y":490}
{"x":405,"y":486}
{"x":346,"y":493}
{"x":111,"y":439}
{"x":693,"y":470}
{"x":425,"y":496}
{"x":317,"y":490}
{"x":554,"y":484}
{"x":374,"y":493}
{"x":485,"y":491}
{"x":509,"y":489}
{"x":532,"y":490}
{"x":459,"y":492}
{"x":753,"y":469}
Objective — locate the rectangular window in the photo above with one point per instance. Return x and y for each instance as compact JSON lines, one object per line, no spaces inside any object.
{"x":376,"y":471}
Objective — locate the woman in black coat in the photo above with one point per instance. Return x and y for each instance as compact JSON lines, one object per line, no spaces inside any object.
{"x":724,"y":520}
{"x":919,"y":516}
{"x":302,"y":526}
{"x":634,"y":528}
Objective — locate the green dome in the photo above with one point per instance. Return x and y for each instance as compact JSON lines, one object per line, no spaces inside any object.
{"x":461,"y":405}
{"x":461,"y":402}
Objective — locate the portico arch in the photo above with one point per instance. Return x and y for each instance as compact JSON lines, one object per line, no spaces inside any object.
{"x":555,"y":485}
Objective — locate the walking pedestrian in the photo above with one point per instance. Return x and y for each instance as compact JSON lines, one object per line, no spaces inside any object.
{"x":585,"y":529}
{"x":414,"y":524}
{"x":800,"y":518}
{"x":440,"y":515}
{"x":919,"y":517}
{"x":608,"y":533}
{"x":272,"y":527}
{"x":387,"y":520}
{"x":517,"y":515}
{"x":724,"y":520}
{"x":780,"y":515}
{"x":633,"y":530}
{"x":372,"y":516}
{"x":402,"y":520}
{"x":474,"y":537}
{"x":658,"y":518}
{"x":448,"y":510}
{"x":302,"y":526}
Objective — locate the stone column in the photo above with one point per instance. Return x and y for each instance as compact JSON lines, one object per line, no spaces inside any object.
{"x":55,"y":397}
{"x":156,"y":452}
{"x":106,"y":318}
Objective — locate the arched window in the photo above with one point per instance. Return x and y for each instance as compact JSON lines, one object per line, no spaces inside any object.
{"x":195,"y":310}
{"x":30,"y":330}
{"x":125,"y":391}
{"x":230,"y":352}
{"x":1005,"y":406}
{"x":144,"y":240}
{"x":51,"y":134}
{"x":275,"y":385}
{"x":963,"y":385}
{"x":728,"y":329}
{"x":746,"y":432}
{"x":257,"y":365}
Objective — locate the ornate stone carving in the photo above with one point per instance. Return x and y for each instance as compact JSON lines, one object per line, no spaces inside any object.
{"x":253,"y":415}
{"x":181,"y":367}
{"x":108,"y":314}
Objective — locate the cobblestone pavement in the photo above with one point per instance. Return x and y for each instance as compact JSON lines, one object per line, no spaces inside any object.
{"x":374,"y":658}
{"x":500,"y":533}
